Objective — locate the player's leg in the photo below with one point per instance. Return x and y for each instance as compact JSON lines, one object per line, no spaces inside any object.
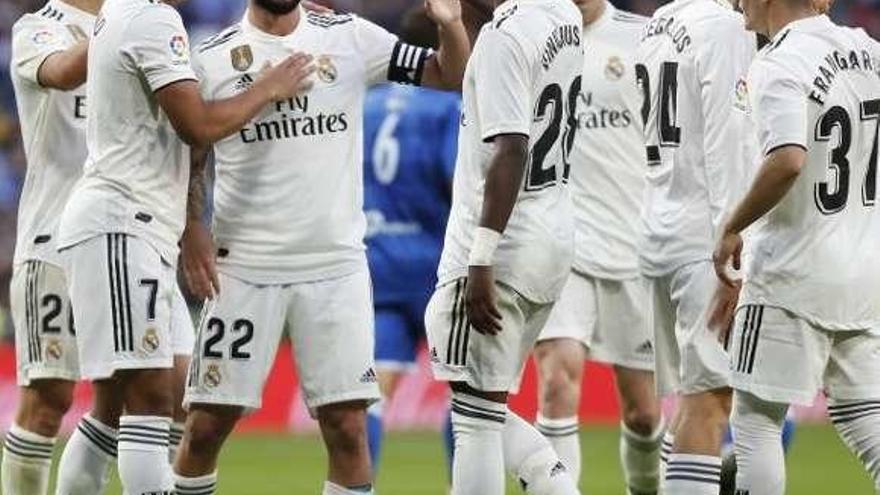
{"x":852,"y":381}
{"x":694,"y":466}
{"x":776,"y":359}
{"x":395,"y":353}
{"x":559,"y":355}
{"x":335,"y":318}
{"x":235,"y":347}
{"x":560,"y":364}
{"x":660,"y":314}
{"x":183,"y":336}
{"x":623,"y":338}
{"x":121,"y":291}
{"x":47,"y":369}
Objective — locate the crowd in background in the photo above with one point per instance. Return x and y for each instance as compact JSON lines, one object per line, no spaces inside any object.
{"x":205,"y":17}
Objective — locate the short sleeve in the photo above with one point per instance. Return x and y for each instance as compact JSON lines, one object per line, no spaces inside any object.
{"x":502,"y":83}
{"x":159,"y":47}
{"x":33,"y":40}
{"x":386,"y":57}
{"x":779,"y":104}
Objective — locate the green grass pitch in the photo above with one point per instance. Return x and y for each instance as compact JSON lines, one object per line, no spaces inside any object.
{"x":413,"y":464}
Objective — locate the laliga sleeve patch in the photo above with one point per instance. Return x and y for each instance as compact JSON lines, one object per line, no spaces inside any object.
{"x":408,"y":63}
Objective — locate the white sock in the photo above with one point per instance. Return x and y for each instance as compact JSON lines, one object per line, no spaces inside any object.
{"x":858,"y":424}
{"x":85,"y":464}
{"x":563,"y":436}
{"x":640,"y":459}
{"x":200,"y":485}
{"x":143,"y":455}
{"x":478,"y":467}
{"x":665,"y":452}
{"x":690,"y":474}
{"x":760,"y":460}
{"x":175,"y":435}
{"x":530,"y":457}
{"x":331,"y":488}
{"x":27,"y":460}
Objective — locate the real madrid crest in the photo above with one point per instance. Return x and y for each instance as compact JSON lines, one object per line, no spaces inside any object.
{"x":213,"y":378}
{"x":615,"y":69}
{"x":150,"y":340}
{"x":326,"y":70}
{"x":54,"y":350}
{"x":242,"y":57}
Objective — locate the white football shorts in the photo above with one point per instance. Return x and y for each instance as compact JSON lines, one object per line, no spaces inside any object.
{"x":128,"y":308}
{"x":45,"y":342}
{"x":330,"y":324}
{"x":608,"y":317}
{"x":779,"y":357}
{"x":488,"y":363}
{"x":689,"y":357}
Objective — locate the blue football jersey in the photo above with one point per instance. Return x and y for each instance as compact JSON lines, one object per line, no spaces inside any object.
{"x":411,"y":140}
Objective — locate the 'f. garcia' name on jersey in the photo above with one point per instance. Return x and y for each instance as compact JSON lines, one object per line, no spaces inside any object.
{"x":833,"y":64}
{"x":668,"y":26}
{"x":292,"y":119}
{"x":568,"y":35}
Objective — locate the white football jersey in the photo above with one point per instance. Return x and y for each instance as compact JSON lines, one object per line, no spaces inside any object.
{"x":288,"y":199}
{"x":53,"y":126}
{"x":694,"y":58}
{"x":608,"y":158}
{"x":817,"y":86}
{"x":136,"y":176}
{"x":524,"y":77}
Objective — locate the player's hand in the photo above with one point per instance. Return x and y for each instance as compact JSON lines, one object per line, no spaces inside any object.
{"x":199,"y":263}
{"x":723,"y":309}
{"x":443,"y":12}
{"x":316,"y":7}
{"x":287,"y":79}
{"x":480,"y":301}
{"x":729,"y":248}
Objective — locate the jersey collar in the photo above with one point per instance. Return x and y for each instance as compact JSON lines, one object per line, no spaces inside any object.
{"x":812,"y":23}
{"x":603,"y":19}
{"x":249,"y":29}
{"x":724,"y":3}
{"x":71,"y":13}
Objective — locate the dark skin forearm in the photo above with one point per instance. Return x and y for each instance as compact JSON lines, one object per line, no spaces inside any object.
{"x":446,"y":69}
{"x":195,"y":204}
{"x":503,"y":181}
{"x":776,"y":177}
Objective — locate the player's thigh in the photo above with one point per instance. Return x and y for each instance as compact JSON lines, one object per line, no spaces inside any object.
{"x":122,"y":293}
{"x":43,"y":320}
{"x":623,"y":336}
{"x":661,"y":321}
{"x":853,"y":371}
{"x":396,"y":340}
{"x":777,"y":356}
{"x":575,"y":313}
{"x":236,"y":343}
{"x":331,"y":325}
{"x":704,"y":364}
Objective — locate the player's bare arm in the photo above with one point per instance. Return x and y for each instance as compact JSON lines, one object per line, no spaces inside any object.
{"x":197,"y":251}
{"x":65,"y":70}
{"x":503,"y":182}
{"x":200,"y":123}
{"x":779,"y":172}
{"x":445,"y":70}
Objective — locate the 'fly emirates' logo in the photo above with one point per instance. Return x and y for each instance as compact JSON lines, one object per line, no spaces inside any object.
{"x":294,"y":118}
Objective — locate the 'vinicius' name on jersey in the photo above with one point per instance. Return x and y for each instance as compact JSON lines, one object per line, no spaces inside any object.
{"x":563,"y":36}
{"x":291,"y":119}
{"x":834,"y":63}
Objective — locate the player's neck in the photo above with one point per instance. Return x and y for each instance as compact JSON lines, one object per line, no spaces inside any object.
{"x":90,"y":6}
{"x":593,"y":12}
{"x":277,"y":25}
{"x":784,"y":15}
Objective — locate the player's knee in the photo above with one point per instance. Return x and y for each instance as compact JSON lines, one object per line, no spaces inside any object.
{"x":148,"y":392}
{"x":344,"y":429}
{"x":711,"y":410}
{"x":561,"y":389}
{"x":207,"y":430}
{"x":640,"y":419}
{"x":44,"y":405}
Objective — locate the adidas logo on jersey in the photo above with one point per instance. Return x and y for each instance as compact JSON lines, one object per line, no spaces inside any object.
{"x":558,"y":469}
{"x":645,"y":348}
{"x":369,"y":376}
{"x":244,"y":83}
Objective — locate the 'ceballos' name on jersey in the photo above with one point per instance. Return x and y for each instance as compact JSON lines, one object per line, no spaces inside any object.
{"x":288,"y":202}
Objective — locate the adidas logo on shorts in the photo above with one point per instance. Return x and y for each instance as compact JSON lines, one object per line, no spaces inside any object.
{"x":646,"y":348}
{"x":558,"y":469}
{"x":369,"y":376}
{"x":434,"y":357}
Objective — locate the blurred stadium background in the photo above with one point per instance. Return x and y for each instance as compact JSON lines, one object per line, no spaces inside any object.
{"x":260,"y":461}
